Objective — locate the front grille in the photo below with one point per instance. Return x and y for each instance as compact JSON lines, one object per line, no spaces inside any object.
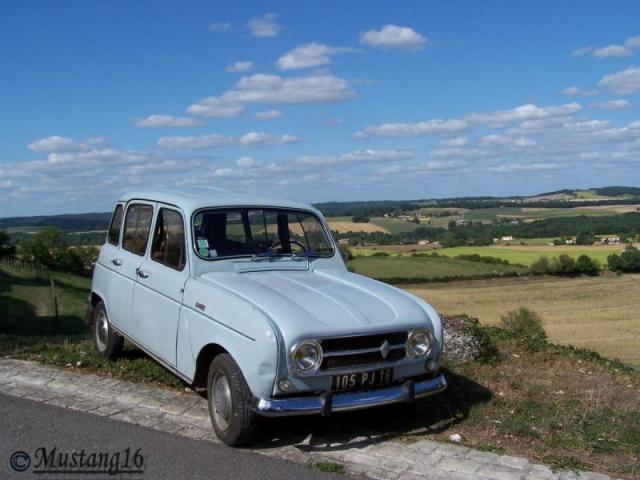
{"x":363,"y":350}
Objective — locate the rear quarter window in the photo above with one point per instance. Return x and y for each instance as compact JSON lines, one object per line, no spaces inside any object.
{"x":114,"y":229}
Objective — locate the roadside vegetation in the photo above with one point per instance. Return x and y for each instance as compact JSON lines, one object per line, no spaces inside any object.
{"x":559,"y":405}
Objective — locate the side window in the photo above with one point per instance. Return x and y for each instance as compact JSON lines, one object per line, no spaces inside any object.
{"x":114,"y":230}
{"x":168,"y":245}
{"x":136,"y":228}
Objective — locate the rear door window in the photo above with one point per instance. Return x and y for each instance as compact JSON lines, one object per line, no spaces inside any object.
{"x":136,"y":228}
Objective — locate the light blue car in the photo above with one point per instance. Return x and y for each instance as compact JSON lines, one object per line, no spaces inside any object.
{"x":249,"y":298}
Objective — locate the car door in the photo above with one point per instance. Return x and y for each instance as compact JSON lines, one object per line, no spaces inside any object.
{"x":126,"y":261}
{"x":157,"y":295}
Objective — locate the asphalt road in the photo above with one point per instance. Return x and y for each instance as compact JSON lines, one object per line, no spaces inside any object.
{"x":35,"y":429}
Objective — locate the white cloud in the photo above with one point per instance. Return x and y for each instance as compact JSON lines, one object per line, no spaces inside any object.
{"x":204,"y":141}
{"x":319,"y":87}
{"x":495,"y":118}
{"x":264,"y":26}
{"x":579,"y":92}
{"x":612,"y":51}
{"x":611,"y":105}
{"x":220,"y":26}
{"x":52,"y":144}
{"x":288,"y":139}
{"x":355,"y":157}
{"x":428,"y":127}
{"x":624,"y":82}
{"x":633,"y":42}
{"x":582,"y":51}
{"x":246,"y":162}
{"x":239,"y":67}
{"x":55,"y":143}
{"x":158,"y":121}
{"x":215,"y":107}
{"x":268,"y":115}
{"x":393,"y":36}
{"x":250,"y":139}
{"x":506,"y":140}
{"x":524,"y":112}
{"x":309,"y":55}
{"x":455,"y":142}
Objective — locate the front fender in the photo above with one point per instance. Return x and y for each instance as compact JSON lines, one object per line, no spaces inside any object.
{"x":234,"y":324}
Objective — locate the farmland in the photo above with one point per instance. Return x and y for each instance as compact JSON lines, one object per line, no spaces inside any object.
{"x":405,"y":268}
{"x":599,"y":313}
{"x":518,"y":254}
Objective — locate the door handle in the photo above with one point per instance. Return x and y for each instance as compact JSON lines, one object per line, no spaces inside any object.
{"x":117,"y":262}
{"x":141,"y":273}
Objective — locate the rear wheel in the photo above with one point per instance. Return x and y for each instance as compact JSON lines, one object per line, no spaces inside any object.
{"x":106,"y":341}
{"x":229,"y":400}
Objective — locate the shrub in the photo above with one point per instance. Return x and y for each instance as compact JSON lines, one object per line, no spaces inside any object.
{"x":527,"y":325}
{"x":360,"y":219}
{"x":563,"y":265}
{"x":380,"y":254}
{"x":628,"y":261}
{"x":586,"y":266}
{"x":541,"y":266}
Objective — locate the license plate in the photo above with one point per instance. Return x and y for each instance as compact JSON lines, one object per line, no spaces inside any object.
{"x":372,"y":378}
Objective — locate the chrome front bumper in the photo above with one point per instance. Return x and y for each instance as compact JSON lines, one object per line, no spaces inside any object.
{"x":328,"y":403}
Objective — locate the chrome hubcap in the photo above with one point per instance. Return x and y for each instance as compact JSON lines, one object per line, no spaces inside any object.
{"x":221,"y":400}
{"x":102,"y":331}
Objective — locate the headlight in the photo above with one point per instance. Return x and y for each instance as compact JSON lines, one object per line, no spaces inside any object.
{"x":418,"y":344}
{"x":306,"y":357}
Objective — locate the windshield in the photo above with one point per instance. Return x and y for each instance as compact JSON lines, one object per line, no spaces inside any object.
{"x":259,"y":232}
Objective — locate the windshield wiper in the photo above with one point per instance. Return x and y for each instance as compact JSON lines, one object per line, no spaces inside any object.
{"x":268,"y":255}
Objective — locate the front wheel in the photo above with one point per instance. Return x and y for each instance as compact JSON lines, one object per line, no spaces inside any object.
{"x":106,"y":341}
{"x":229,"y":400}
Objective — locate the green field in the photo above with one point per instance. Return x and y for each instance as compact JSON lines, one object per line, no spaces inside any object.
{"x":395,"y":225}
{"x":426,"y":268}
{"x":27,"y":328}
{"x":527,"y":254}
{"x":533,"y":214}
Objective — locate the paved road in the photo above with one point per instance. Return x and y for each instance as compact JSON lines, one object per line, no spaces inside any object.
{"x":26,"y":425}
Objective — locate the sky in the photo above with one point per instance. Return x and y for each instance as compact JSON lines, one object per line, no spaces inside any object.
{"x":314,"y":101}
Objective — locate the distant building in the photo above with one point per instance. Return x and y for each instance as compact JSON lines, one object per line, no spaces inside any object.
{"x":462,"y":221}
{"x":344,"y":241}
{"x":508,"y":238}
{"x":614,"y":240}
{"x":423,"y":242}
{"x":570,"y":241}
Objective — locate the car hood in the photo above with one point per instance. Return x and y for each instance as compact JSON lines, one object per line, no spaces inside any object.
{"x":326,"y":303}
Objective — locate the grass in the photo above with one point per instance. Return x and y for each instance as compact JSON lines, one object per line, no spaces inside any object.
{"x":26,"y":329}
{"x":527,"y":254}
{"x":534,"y":213}
{"x":556,"y":405}
{"x":396,"y":225}
{"x":598,"y":313}
{"x":329,"y":467}
{"x":407,"y":269}
{"x":560,"y":406}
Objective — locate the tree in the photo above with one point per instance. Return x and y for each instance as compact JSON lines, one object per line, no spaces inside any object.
{"x":5,"y":244}
{"x":585,"y":238}
{"x":541,"y":266}
{"x":628,"y":261}
{"x":586,"y":266}
{"x":360,"y":219}
{"x":563,"y":265}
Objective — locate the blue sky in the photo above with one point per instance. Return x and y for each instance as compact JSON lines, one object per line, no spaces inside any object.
{"x":314,"y":101}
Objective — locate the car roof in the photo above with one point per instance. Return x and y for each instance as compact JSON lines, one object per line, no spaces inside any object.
{"x":194,"y":198}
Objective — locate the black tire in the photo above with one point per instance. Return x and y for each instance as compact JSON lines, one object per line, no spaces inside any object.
{"x":233,"y":421}
{"x":105,"y":340}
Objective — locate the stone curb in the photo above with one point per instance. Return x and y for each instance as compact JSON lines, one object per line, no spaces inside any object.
{"x":186,"y":414}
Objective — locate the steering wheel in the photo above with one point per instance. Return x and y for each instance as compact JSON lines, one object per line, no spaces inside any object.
{"x":278,"y":245}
